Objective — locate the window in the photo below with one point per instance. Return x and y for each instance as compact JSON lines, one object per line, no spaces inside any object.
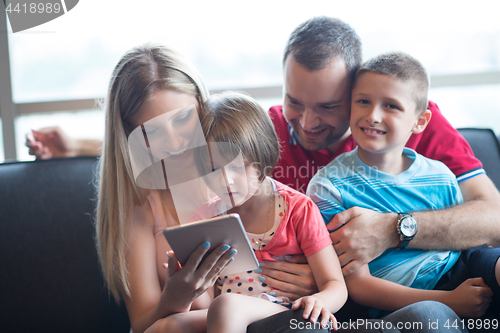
{"x":240,"y":45}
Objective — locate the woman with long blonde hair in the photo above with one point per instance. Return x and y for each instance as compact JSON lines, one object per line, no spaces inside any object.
{"x":151,"y":82}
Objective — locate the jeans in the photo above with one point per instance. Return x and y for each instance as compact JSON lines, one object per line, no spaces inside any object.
{"x":426,"y":317}
{"x":422,"y":317}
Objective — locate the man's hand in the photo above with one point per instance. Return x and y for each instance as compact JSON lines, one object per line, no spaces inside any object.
{"x":291,"y":278}
{"x":53,"y":142}
{"x":365,"y":234}
{"x":50,"y":142}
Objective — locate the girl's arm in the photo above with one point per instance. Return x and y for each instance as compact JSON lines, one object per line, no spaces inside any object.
{"x":147,"y":302}
{"x":332,"y":293}
{"x":470,"y":299}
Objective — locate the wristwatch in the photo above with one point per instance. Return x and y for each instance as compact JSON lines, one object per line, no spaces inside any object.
{"x":407,"y":229}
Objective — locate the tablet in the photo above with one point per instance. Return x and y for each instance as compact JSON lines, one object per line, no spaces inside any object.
{"x":227,"y":229}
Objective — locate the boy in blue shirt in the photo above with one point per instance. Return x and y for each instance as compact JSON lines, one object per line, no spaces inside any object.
{"x":389,"y":99}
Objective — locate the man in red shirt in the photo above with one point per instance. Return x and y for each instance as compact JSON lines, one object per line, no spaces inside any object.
{"x":320,"y":59}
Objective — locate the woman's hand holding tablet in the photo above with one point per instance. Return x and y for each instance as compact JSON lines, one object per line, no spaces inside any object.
{"x":219,"y":232}
{"x":187,"y":284}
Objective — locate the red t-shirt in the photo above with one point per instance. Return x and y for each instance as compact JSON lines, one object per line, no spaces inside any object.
{"x":439,"y":141}
{"x":300,"y":231}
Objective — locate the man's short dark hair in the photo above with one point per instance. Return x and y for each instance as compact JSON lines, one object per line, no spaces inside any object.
{"x":315,"y":42}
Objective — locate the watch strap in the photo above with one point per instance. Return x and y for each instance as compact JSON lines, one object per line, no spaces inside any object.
{"x":403,"y":243}
{"x":404,"y":240}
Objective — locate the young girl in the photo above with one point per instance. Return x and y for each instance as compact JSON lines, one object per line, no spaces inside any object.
{"x":243,"y":150}
{"x":150,"y":83}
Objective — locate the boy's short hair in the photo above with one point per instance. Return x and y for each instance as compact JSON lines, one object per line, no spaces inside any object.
{"x":316,"y":41}
{"x":242,"y":125}
{"x":403,"y":67}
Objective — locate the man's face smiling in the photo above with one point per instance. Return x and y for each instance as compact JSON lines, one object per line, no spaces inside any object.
{"x":317,"y":104}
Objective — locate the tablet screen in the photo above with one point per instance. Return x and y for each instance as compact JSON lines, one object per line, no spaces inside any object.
{"x":228,"y":229}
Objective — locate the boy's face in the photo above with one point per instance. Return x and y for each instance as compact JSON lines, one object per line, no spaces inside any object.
{"x":382,"y":113}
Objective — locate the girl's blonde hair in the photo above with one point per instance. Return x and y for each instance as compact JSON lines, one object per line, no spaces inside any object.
{"x":239,"y":121}
{"x":138,"y":75}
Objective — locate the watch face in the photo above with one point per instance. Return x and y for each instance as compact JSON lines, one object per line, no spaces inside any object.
{"x":408,"y":226}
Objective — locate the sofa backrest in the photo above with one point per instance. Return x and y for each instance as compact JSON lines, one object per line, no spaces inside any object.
{"x":50,"y":279}
{"x":49,"y":274}
{"x":486,"y":148}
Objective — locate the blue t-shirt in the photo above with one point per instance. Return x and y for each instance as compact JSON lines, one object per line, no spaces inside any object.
{"x":426,"y":185}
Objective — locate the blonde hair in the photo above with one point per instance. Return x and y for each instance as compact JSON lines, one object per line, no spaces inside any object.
{"x":138,"y":75}
{"x":240,"y":121}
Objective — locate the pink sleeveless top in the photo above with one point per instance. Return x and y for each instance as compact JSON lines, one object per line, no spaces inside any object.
{"x":187,"y":200}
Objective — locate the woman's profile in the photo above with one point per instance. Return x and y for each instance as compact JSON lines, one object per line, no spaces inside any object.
{"x":148,"y":82}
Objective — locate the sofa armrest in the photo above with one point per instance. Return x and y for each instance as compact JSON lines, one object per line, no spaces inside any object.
{"x":51,"y":280}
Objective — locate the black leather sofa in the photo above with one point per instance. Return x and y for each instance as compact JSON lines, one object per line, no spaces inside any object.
{"x":50,"y":280}
{"x":486,"y":147}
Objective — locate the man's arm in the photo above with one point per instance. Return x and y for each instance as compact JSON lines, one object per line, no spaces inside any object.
{"x":53,"y":142}
{"x":473,"y":223}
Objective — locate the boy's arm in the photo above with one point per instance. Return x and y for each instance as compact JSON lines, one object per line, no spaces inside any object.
{"x":326,"y":196}
{"x":470,"y":299}
{"x":332,"y":293}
